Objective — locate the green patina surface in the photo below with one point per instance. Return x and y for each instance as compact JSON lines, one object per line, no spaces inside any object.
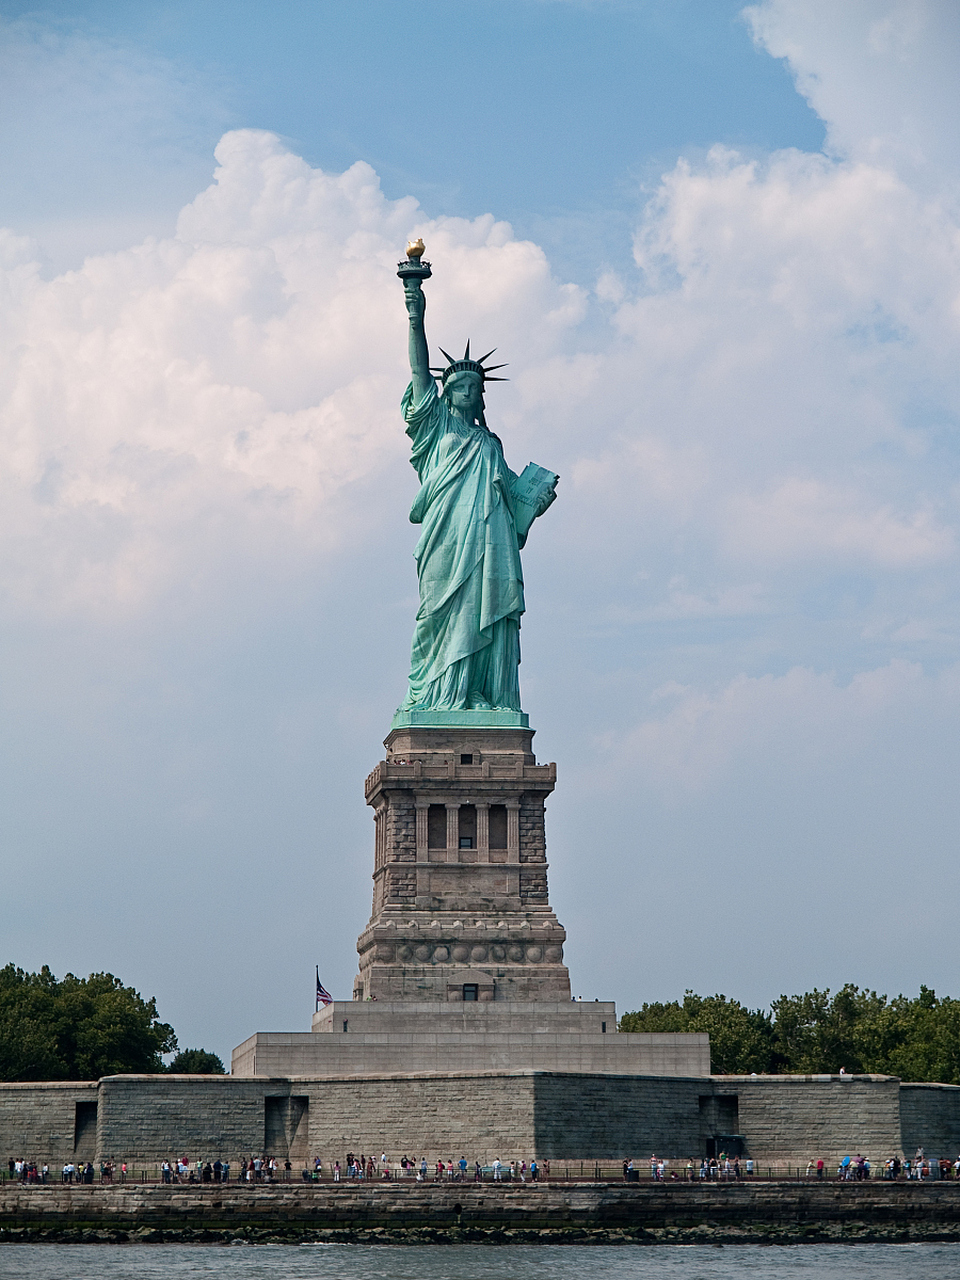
{"x":423,"y":718}
{"x":474,"y":513}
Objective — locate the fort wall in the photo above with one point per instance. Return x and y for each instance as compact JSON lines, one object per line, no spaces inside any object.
{"x":930,"y":1118}
{"x":52,"y":1121}
{"x":783,"y":1120}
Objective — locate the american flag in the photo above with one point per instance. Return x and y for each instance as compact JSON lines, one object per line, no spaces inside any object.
{"x":323,"y":995}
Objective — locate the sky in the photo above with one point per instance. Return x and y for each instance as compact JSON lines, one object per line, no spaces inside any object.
{"x":720,"y":248}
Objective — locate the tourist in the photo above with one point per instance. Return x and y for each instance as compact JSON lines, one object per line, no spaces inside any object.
{"x":225,"y":1171}
{"x":497,"y":1170}
{"x":819,"y":1168}
{"x":336,"y":1170}
{"x":736,"y":1168}
{"x":463,"y":1168}
{"x":477,"y":1171}
{"x":423,"y":1168}
{"x":535,"y":1170}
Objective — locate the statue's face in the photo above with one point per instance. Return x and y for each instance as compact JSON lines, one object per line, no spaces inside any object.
{"x":466,"y":396}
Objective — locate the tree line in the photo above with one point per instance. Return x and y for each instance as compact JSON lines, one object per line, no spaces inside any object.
{"x":819,"y":1033}
{"x":85,"y":1028}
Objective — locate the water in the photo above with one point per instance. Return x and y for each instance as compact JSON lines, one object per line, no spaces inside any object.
{"x":476,"y":1262}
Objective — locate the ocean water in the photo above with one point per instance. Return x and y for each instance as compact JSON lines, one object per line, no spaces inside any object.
{"x":477,"y":1262}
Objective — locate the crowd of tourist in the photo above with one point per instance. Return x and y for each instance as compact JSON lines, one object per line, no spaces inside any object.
{"x":27,"y":1171}
{"x":254,"y":1169}
{"x":359,"y":1168}
{"x":84,"y":1172}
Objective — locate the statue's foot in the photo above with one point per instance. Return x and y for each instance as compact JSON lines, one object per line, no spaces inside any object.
{"x":477,"y":703}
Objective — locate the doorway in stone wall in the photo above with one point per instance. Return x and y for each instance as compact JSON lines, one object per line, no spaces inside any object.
{"x":286,"y":1127}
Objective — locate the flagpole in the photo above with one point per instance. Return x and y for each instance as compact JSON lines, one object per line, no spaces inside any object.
{"x":317,"y":1008}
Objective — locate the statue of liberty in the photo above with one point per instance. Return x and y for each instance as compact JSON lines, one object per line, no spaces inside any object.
{"x":475,"y":514}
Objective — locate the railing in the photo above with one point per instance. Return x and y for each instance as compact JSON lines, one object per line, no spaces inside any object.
{"x":676,"y":1173}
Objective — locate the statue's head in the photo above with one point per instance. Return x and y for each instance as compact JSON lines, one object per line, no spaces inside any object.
{"x":462,"y":383}
{"x":464,"y":390}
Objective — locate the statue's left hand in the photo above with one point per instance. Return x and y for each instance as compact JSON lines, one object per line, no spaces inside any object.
{"x":547,"y":498}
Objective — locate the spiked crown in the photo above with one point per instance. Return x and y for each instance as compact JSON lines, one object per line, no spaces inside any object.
{"x":466,"y":365}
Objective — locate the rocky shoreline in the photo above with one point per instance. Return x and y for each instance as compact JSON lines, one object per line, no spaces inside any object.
{"x":556,"y":1214}
{"x":762,"y":1234}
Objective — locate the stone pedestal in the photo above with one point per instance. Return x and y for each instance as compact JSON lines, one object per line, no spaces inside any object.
{"x":460,"y":906}
{"x":461,"y":964}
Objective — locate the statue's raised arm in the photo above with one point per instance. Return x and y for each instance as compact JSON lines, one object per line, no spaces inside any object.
{"x":416,"y":300}
{"x":475,"y":514}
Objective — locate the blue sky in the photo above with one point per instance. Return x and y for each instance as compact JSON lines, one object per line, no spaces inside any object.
{"x":558,"y":116}
{"x":718,"y":248}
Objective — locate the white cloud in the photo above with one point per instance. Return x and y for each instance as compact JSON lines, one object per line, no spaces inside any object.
{"x":881,"y":73}
{"x":231,"y":382}
{"x":802,"y":724}
{"x":810,"y":520}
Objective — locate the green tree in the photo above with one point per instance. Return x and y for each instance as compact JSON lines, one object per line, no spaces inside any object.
{"x":926,"y":1046}
{"x":196,"y":1062}
{"x":741,"y":1039}
{"x":858,"y":1031}
{"x":818,"y":1035}
{"x":77,"y":1029}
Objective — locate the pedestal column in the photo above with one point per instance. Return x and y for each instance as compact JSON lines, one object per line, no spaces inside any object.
{"x":453,"y":832}
{"x":483,"y":832}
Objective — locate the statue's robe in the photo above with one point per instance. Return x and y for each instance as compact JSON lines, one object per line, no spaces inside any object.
{"x":466,"y":646}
